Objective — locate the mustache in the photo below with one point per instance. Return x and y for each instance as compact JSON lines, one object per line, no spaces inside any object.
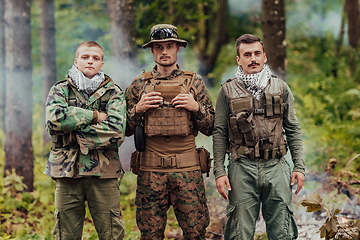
{"x":253,"y":63}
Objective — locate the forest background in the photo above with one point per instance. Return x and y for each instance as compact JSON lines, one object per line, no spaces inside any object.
{"x":311,"y":44}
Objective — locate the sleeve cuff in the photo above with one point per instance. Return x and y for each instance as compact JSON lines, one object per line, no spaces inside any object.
{"x":95,"y":117}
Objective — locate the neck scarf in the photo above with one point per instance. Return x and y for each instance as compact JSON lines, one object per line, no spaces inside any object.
{"x":84,"y":84}
{"x":254,"y":83}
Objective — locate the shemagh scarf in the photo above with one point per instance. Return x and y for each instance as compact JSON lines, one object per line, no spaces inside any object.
{"x":254,"y":83}
{"x":84,"y":84}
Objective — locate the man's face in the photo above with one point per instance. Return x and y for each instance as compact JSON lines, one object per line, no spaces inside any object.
{"x":165,"y":53}
{"x":252,"y":58}
{"x":89,"y":60}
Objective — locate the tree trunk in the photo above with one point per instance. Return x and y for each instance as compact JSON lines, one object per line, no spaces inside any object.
{"x":273,"y":25}
{"x":352,"y":9}
{"x":123,"y":30}
{"x":2,"y":65}
{"x":18,"y":110}
{"x":48,"y":54}
{"x":207,"y":61}
{"x":339,"y":42}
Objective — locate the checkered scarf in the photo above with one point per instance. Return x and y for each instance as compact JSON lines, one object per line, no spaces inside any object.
{"x":254,"y":83}
{"x":84,"y":84}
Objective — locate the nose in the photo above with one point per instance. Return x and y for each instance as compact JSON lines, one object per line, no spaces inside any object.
{"x":90,"y":60}
{"x":253,"y":57}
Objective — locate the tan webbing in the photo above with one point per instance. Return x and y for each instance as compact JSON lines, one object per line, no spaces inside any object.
{"x":187,"y":159}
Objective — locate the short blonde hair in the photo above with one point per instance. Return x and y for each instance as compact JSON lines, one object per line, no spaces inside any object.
{"x":89,"y":44}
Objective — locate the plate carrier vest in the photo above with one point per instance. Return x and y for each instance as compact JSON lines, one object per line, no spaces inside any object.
{"x":256,"y":126}
{"x":59,"y":141}
{"x":166,"y":120}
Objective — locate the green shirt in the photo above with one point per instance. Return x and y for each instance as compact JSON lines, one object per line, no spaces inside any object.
{"x":290,"y":125}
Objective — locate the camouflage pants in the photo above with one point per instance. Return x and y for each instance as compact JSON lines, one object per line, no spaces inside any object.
{"x":185,"y":191}
{"x":103,"y":197}
{"x":253,"y":182}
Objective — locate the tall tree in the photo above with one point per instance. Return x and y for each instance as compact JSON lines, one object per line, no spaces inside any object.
{"x":352,"y":9}
{"x":18,"y":110}
{"x":123,"y":30}
{"x":339,"y":42}
{"x":48,"y":52}
{"x":2,"y":64}
{"x":273,"y":26}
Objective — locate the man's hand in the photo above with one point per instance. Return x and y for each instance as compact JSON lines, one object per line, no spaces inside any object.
{"x":186,"y":101}
{"x":102,"y":116}
{"x":148,"y":100}
{"x":220,"y":185}
{"x":300,"y":181}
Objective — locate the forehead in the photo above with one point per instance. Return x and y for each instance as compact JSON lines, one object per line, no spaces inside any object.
{"x":250,"y":47}
{"x":162,"y":44}
{"x":89,"y":50}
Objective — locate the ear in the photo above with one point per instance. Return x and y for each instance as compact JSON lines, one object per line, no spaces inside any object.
{"x":152,"y":50}
{"x":238,"y":60}
{"x":75,"y":62}
{"x":265,"y":58}
{"x":178,"y":48}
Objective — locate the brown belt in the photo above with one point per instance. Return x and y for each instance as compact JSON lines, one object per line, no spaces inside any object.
{"x":187,"y":159}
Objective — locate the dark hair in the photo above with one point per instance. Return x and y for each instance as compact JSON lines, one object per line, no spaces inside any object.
{"x":248,"y":38}
{"x":89,"y":44}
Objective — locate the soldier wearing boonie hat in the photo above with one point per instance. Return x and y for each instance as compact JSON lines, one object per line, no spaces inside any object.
{"x":172,"y":105}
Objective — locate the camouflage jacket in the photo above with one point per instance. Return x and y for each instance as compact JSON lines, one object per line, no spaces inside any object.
{"x":204,"y":117}
{"x":88,"y":148}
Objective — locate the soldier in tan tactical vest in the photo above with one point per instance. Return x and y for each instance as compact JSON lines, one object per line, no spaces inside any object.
{"x":172,"y":105}
{"x":252,"y":111}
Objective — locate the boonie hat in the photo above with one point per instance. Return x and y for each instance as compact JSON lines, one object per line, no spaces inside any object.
{"x":164,"y":33}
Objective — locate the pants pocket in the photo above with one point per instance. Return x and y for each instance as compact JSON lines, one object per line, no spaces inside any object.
{"x":231,"y":231}
{"x":292,"y":229}
{"x":117,"y":226}
{"x":56,"y":230}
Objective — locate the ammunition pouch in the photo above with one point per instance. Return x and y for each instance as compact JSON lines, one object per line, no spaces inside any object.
{"x":139,"y":138}
{"x":264,"y":153}
{"x":183,"y":160}
{"x":204,"y":160}
{"x":166,"y":120}
{"x":135,"y":162}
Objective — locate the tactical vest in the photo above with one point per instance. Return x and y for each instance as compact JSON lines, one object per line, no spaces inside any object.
{"x":68,"y":139}
{"x":166,"y":120}
{"x":256,"y":126}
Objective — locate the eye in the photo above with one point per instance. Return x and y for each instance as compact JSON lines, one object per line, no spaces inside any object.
{"x":84,"y":57}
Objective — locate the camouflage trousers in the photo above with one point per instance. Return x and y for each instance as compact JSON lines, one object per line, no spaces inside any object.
{"x":103,"y":198}
{"x":255,"y":181}
{"x":185,"y":191}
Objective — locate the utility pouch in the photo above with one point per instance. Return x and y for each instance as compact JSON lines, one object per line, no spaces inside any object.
{"x":204,"y":160}
{"x":139,"y":138}
{"x":135,"y":162}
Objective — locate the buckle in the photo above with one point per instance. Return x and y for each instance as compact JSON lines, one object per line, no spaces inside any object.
{"x":259,"y":111}
{"x":167,"y":161}
{"x":264,"y":140}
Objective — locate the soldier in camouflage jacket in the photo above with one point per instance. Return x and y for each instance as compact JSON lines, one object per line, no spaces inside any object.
{"x":180,"y":185}
{"x":85,"y":115}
